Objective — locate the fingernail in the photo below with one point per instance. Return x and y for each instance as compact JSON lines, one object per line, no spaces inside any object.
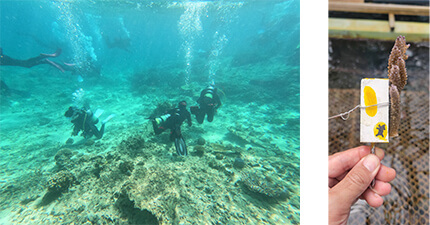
{"x":371,"y":162}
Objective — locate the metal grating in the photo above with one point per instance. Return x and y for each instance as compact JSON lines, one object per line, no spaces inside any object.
{"x":408,"y":154}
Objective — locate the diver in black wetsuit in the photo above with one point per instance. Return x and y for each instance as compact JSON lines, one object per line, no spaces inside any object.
{"x":209,"y":102}
{"x":173,"y":120}
{"x":41,"y":59}
{"x":85,"y":121}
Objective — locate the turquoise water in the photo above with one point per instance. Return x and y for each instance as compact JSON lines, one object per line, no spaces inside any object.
{"x":132,"y":58}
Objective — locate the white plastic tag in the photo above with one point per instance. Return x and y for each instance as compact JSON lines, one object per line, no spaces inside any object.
{"x":374,"y":119}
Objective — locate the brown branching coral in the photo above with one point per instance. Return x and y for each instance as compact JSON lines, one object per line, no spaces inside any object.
{"x":401,"y":44}
{"x":392,"y":60}
{"x":394,"y":111}
{"x":398,"y":78}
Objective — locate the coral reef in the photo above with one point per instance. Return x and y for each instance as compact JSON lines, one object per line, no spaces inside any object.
{"x":394,"y":111}
{"x":139,"y":182}
{"x":398,"y":78}
{"x":57,"y":184}
{"x":61,"y":181}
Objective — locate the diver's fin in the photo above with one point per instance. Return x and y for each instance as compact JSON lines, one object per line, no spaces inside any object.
{"x":57,"y":53}
{"x":108,"y":118}
{"x":181,"y":147}
{"x":54,"y":65}
{"x":98,"y":113}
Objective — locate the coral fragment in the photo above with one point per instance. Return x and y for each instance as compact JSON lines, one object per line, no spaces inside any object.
{"x":398,"y":78}
{"x":394,"y":111}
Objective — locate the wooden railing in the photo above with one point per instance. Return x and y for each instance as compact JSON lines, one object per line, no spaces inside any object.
{"x":359,"y":6}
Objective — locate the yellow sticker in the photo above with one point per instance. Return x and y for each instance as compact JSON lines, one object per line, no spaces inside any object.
{"x":380,"y":131}
{"x":370,"y":99}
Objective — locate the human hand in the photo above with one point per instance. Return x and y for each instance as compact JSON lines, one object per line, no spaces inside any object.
{"x":350,"y":174}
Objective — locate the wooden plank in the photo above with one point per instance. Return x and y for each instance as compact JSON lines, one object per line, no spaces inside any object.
{"x":391,"y":21}
{"x":379,"y":8}
{"x":377,"y":29}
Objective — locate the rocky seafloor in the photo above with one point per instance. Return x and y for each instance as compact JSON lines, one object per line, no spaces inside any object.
{"x":143,"y":182}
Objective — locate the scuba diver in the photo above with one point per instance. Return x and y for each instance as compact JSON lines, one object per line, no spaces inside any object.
{"x":85,"y":121}
{"x":209,"y":102}
{"x":40,"y":59}
{"x":173,"y":120}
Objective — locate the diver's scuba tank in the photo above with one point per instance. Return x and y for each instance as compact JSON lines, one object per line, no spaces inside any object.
{"x":162,"y":118}
{"x":209,"y":92}
{"x":94,"y":118}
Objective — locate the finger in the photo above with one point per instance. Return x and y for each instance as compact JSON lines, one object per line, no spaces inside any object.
{"x":332,"y":182}
{"x":357,"y":180}
{"x":380,"y":153}
{"x":386,"y":174}
{"x":372,"y":198}
{"x":339,"y":178}
{"x":382,"y":188}
{"x":343,"y":161}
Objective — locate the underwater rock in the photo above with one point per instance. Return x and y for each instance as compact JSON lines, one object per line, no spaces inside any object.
{"x":134,"y":215}
{"x":264,"y":185}
{"x":89,"y":142}
{"x":132,"y":145}
{"x":228,"y":150}
{"x":57,"y":185}
{"x":126,"y":167}
{"x":238,"y":163}
{"x":219,"y":156}
{"x":97,"y":170}
{"x":63,"y":158}
{"x":69,"y":141}
{"x":220,"y":167}
{"x":199,"y":150}
{"x":201,"y":141}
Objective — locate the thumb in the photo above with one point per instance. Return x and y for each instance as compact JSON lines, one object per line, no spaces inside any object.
{"x":358,"y":179}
